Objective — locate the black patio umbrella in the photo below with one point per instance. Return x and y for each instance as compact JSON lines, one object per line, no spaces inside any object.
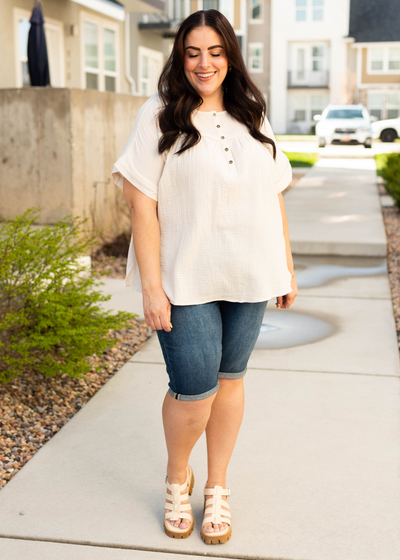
{"x":38,"y":62}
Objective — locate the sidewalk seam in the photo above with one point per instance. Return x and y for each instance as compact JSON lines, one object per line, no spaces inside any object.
{"x":144,"y":549}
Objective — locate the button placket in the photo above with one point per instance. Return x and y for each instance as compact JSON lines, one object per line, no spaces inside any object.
{"x":225,"y":146}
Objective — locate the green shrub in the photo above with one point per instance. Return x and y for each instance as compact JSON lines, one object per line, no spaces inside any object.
{"x":391,"y":174}
{"x":380,"y":162}
{"x":50,"y":317}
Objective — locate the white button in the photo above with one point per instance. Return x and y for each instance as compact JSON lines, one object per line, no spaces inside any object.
{"x":218,"y":126}
{"x":222,"y":137}
{"x":230,"y":161}
{"x":226,"y":149}
{"x":214,"y":114}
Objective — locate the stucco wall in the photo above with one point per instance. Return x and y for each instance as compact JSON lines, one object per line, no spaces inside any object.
{"x":55,"y":144}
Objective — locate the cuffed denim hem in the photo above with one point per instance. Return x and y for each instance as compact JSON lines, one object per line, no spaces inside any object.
{"x":237,"y":375}
{"x":199,"y":397}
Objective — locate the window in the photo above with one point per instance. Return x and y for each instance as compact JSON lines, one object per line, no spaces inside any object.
{"x":384,"y":104}
{"x":23,"y":31}
{"x":318,"y":58}
{"x":256,"y":57}
{"x":384,"y":60}
{"x":393,"y":105}
{"x":300,"y":108}
{"x":317,"y":10}
{"x":256,"y":11}
{"x":91,"y":39}
{"x":312,"y":10}
{"x":100,"y":63}
{"x":210,"y":4}
{"x":301,"y":64}
{"x":377,"y":59}
{"x":110,"y":64}
{"x":150,"y":65}
{"x":308,"y":64}
{"x":55,"y":49}
{"x":317,"y":105}
{"x":394,"y":59}
{"x":226,"y":7}
{"x":301,"y":10}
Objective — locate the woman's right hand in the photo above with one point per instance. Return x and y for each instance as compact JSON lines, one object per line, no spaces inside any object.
{"x":157,"y":309}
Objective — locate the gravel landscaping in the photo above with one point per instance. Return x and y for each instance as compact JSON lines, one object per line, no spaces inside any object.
{"x":33,"y":408}
{"x":391,"y":218}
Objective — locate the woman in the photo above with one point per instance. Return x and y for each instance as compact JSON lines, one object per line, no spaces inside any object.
{"x":203,"y":178}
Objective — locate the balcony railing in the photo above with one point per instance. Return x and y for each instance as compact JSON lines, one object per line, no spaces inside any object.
{"x":308,"y":79}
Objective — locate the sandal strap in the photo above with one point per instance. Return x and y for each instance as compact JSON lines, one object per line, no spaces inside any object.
{"x":178,"y":510}
{"x":181,"y":487}
{"x":217,"y":490}
{"x":173,"y":516}
{"x":214,"y":506}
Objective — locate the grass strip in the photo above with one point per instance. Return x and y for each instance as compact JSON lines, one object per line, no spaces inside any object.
{"x":302,"y":159}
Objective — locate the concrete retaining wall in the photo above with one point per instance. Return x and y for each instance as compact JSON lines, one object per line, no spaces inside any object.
{"x":57,"y":149}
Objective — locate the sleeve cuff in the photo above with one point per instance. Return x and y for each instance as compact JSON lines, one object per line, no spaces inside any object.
{"x":123,"y":169}
{"x":285,"y":179}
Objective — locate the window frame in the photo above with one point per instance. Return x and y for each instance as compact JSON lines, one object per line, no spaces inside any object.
{"x":309,"y":10}
{"x":385,"y":69}
{"x":262,"y":8}
{"x":20,"y":14}
{"x":101,"y":24}
{"x":386,"y":106}
{"x":145,"y":51}
{"x":255,"y":45}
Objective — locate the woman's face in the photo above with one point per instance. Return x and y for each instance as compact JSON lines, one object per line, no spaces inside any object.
{"x":205,"y":62}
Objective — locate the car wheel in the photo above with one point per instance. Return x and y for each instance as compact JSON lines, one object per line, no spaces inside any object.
{"x":368,"y":143}
{"x":388,"y":135}
{"x":321,"y":143}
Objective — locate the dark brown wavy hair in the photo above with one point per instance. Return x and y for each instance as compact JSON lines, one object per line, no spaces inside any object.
{"x":242,"y":99}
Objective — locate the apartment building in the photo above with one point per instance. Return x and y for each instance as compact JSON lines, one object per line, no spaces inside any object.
{"x":374,"y":55}
{"x":86,"y":42}
{"x":308,"y":61}
{"x":259,"y":44}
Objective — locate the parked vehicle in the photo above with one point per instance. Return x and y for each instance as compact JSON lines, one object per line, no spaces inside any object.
{"x":344,"y":124}
{"x":387,"y":130}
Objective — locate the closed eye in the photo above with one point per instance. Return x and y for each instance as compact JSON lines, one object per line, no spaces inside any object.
{"x":194,"y":55}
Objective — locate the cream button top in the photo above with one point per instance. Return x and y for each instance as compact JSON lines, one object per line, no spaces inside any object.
{"x":218,"y":209}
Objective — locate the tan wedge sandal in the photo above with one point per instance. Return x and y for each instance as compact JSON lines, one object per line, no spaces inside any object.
{"x":218,"y":515}
{"x":179,"y":510}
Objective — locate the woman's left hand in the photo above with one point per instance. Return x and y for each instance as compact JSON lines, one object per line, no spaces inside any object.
{"x":286,"y":301}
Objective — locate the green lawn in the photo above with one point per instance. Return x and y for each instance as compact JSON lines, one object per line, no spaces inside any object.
{"x":300,"y":159}
{"x":380,"y":162}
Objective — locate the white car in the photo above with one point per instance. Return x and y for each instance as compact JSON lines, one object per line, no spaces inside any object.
{"x":344,"y":123}
{"x":387,"y":130}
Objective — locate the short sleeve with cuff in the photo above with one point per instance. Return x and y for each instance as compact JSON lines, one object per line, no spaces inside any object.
{"x":140,"y":161}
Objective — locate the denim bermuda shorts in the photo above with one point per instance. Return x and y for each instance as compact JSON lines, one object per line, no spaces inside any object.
{"x":209,"y":341}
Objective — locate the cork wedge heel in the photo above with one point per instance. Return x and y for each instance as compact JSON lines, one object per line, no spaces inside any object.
{"x":215,"y":506}
{"x":179,"y":510}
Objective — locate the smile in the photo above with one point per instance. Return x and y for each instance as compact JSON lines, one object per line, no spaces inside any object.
{"x":205,"y":76}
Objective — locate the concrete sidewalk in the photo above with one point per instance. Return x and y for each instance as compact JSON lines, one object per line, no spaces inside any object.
{"x":319,"y":441}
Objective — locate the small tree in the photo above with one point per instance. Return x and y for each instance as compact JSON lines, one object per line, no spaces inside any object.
{"x":50,"y":317}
